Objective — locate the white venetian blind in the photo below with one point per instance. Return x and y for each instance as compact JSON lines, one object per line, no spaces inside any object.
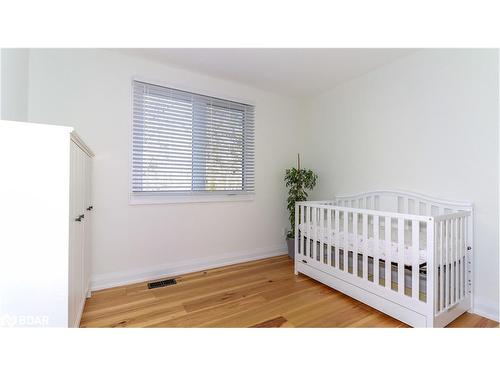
{"x":186,"y":143}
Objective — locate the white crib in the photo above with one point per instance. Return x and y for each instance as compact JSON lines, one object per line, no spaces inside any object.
{"x":405,"y":254}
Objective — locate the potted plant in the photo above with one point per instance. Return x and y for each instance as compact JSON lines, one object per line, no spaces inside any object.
{"x":298,"y":181}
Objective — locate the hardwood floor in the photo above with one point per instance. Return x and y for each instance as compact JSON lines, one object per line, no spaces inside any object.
{"x":262,"y":293}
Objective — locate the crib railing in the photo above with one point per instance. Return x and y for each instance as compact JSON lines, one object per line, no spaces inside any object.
{"x":402,"y":202}
{"x":339,"y":237}
{"x":452,"y":262}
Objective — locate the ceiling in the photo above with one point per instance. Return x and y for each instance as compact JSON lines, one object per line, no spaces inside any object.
{"x":298,"y":72}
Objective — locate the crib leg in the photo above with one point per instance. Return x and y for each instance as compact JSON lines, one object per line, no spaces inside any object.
{"x":295,"y":269}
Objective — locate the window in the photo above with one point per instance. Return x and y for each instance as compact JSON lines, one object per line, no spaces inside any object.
{"x":190,"y":144}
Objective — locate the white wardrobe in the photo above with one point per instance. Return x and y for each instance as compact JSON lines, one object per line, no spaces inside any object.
{"x":79,"y":221}
{"x":45,"y":215}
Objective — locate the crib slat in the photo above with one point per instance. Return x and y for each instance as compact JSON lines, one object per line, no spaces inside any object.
{"x":388,"y":276}
{"x":415,"y":237}
{"x":301,"y":245}
{"x":315,"y":234}
{"x":441,"y":264}
{"x":401,"y":267}
{"x":467,"y":274}
{"x":296,"y":239}
{"x":322,"y":234}
{"x":455,"y":259}
{"x":468,"y":265}
{"x":447,"y":266}
{"x":356,"y":242}
{"x":329,"y":229}
{"x":319,"y":232}
{"x":365,"y":246}
{"x":452,"y":269}
{"x":431,"y":285}
{"x":308,"y":231}
{"x":450,"y":262}
{"x":462,"y":257}
{"x":337,"y":239}
{"x":346,"y":241}
{"x":454,"y":256}
{"x":459,"y":259}
{"x":432,"y":276}
{"x":376,"y":232}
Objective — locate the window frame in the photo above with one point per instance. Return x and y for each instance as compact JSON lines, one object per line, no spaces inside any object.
{"x":138,"y":198}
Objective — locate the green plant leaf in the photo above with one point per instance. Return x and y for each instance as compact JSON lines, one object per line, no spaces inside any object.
{"x":298,"y":181}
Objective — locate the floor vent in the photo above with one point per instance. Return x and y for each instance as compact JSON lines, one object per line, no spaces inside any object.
{"x":161,"y":283}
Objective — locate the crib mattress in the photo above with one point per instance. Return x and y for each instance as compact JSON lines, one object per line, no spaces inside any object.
{"x":370,"y":246}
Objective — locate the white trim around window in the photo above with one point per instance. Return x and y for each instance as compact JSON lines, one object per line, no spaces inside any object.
{"x":159,"y":173}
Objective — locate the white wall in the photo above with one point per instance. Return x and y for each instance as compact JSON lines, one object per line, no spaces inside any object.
{"x":426,"y":123}
{"x":14,"y":84}
{"x":90,"y":90}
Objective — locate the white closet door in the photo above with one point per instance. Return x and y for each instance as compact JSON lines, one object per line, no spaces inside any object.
{"x":80,"y":293}
{"x":73,"y":235}
{"x":88,"y":223}
{"x":77,"y":277}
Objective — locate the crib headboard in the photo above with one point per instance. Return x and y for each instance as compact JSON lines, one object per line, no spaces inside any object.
{"x":402,"y":202}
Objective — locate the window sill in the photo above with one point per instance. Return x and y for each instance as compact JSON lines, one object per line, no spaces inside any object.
{"x":172,"y":199}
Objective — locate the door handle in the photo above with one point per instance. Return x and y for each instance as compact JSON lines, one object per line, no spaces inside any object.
{"x":90,"y":208}
{"x":79,"y":218}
